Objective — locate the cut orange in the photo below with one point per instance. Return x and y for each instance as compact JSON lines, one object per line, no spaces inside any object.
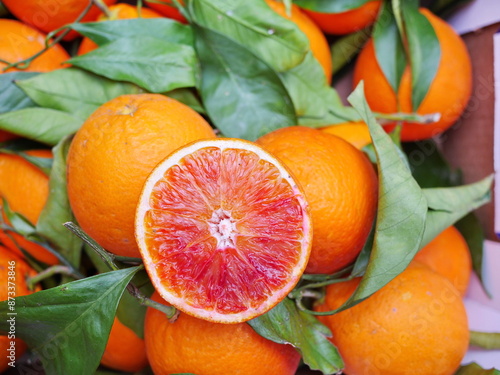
{"x":224,"y":230}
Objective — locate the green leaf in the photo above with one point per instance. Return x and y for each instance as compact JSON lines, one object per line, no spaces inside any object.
{"x":447,"y":205}
{"x":286,"y":324}
{"x":428,"y":165}
{"x":316,"y":103}
{"x":166,"y":29}
{"x":388,"y":46}
{"x":187,"y":97}
{"x":424,"y":51}
{"x":11,"y":97}
{"x":44,"y":125}
{"x":274,"y":39}
{"x":68,"y":326}
{"x":74,"y":91}
{"x":329,"y":6}
{"x":17,"y":221}
{"x":58,"y":211}
{"x":346,"y":48}
{"x":151,"y":63}
{"x":470,"y":227}
{"x":475,"y":369}
{"x":402,"y":209}
{"x":485,"y":340}
{"x":244,"y":100}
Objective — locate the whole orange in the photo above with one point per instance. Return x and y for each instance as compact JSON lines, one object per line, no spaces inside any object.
{"x":317,"y":40}
{"x":125,"y":351}
{"x":356,"y":133}
{"x":48,"y":16}
{"x":13,"y":273}
{"x":191,"y":345}
{"x":448,"y":254}
{"x":346,"y":22}
{"x":416,"y":324}
{"x":117,"y":12}
{"x":448,"y":93}
{"x":341,"y":188}
{"x":169,"y":11}
{"x":111,"y":156}
{"x":19,"y":41}
{"x":26,"y":189}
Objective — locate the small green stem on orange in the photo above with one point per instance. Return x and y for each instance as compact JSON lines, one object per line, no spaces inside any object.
{"x":408,"y":117}
{"x":49,"y":272}
{"x":170,"y":311}
{"x":485,"y":340}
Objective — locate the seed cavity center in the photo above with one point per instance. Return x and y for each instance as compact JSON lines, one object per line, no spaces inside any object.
{"x":223,"y":228}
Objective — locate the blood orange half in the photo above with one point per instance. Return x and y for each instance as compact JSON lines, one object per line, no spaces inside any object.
{"x":224,"y":230}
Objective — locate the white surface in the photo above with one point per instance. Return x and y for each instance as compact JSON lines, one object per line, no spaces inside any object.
{"x":477,"y":14}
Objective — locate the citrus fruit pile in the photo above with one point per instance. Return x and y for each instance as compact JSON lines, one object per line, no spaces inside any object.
{"x":183,"y":191}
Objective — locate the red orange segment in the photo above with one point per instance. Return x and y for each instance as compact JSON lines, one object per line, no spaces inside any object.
{"x":223,"y":229}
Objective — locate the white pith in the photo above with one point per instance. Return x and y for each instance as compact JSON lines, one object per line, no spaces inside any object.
{"x":222,"y":227}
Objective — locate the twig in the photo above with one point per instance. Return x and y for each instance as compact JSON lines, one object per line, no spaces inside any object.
{"x":51,"y":271}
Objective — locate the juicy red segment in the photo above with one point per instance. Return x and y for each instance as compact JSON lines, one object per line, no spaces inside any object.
{"x":265,"y":244}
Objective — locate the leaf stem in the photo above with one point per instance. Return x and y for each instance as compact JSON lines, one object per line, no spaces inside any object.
{"x":51,"y":271}
{"x":103,"y":7}
{"x":485,"y":340}
{"x":408,"y":117}
{"x":170,"y":311}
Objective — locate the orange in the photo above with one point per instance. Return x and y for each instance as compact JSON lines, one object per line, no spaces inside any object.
{"x":19,"y":42}
{"x":341,"y":188}
{"x":125,"y":351}
{"x":448,"y":93}
{"x":346,"y":22}
{"x":111,"y":156}
{"x":26,"y":189}
{"x":13,"y":273}
{"x":356,"y":133}
{"x":48,"y":16}
{"x":6,"y":136}
{"x":415,"y":325}
{"x":169,"y":11}
{"x":191,"y":345}
{"x":317,"y":40}
{"x":223,"y":229}
{"x":118,"y":12}
{"x":448,"y":254}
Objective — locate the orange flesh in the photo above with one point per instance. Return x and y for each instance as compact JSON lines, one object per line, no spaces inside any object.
{"x":223,"y":231}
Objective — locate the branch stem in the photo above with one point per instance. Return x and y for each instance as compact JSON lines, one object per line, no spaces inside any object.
{"x":49,"y":272}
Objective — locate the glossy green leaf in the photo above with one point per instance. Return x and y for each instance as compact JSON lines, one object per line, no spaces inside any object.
{"x":286,"y":324}
{"x":74,"y":90}
{"x":316,"y":103}
{"x":151,"y":63}
{"x":475,"y":369}
{"x":243,"y":100}
{"x":329,"y":6}
{"x":424,"y":51}
{"x":12,"y":97}
{"x":274,"y":39}
{"x":166,"y":29}
{"x":447,"y":205}
{"x":401,"y":213}
{"x":57,"y":209}
{"x":68,"y":326}
{"x":388,"y":45}
{"x":187,"y":97}
{"x":44,"y":125}
{"x":346,"y":48}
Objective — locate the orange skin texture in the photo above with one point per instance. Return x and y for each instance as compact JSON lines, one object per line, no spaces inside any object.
{"x":191,"y":345}
{"x":416,"y":324}
{"x":346,"y":22}
{"x":22,"y":271}
{"x":26,"y":189}
{"x":317,"y":40}
{"x":356,"y":133}
{"x":125,"y":351}
{"x":48,"y":16}
{"x":112,"y":155}
{"x":340,"y":185}
{"x":448,"y":254}
{"x":168,"y":11}
{"x":118,"y":12}
{"x":19,"y":41}
{"x":448,"y":94}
